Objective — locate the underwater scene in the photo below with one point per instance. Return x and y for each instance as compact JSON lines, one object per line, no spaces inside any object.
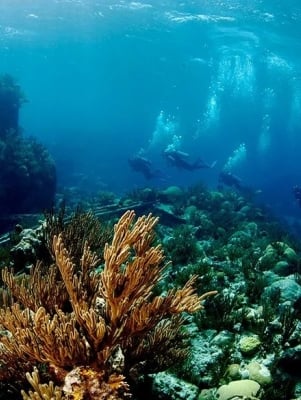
{"x":150,"y":200}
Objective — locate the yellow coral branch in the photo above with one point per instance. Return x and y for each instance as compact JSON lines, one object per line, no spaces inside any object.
{"x":100,"y":318}
{"x":41,"y":391}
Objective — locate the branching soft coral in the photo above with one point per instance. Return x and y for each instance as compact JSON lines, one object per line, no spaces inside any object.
{"x":90,"y":331}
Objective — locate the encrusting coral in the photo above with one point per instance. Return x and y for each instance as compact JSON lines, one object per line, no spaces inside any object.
{"x":88,"y":333}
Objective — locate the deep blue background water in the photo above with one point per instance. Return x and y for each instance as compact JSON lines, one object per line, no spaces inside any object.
{"x":106,"y":80}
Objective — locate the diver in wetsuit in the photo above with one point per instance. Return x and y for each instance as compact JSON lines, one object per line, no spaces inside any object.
{"x":229,"y":179}
{"x":179,"y":159}
{"x":143,"y":165}
{"x":297,"y":194}
{"x":226,"y":178}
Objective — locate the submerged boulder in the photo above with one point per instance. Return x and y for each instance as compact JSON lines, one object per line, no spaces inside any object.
{"x":241,"y":389}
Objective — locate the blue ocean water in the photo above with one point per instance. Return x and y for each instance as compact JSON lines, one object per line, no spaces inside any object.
{"x":107,"y":80}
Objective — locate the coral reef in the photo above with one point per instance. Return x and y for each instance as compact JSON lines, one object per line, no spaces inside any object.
{"x":249,"y":331}
{"x":27,"y":172}
{"x":90,"y":334}
{"x":11,"y":99}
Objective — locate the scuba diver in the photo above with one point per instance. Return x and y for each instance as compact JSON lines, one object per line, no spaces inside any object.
{"x":297,"y":194}
{"x":179,"y":159}
{"x":143,"y":165}
{"x":229,"y":179}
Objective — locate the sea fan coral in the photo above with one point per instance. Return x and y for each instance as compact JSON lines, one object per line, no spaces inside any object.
{"x":88,"y":332}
